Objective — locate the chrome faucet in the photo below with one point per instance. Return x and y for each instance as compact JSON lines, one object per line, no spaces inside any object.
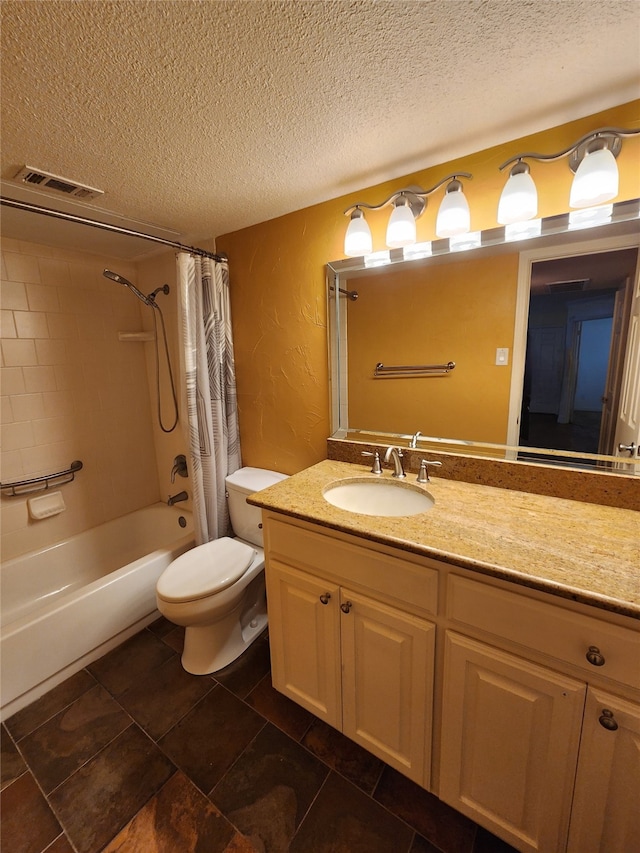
{"x":414,"y":441}
{"x":173,"y":499}
{"x":395,"y":454}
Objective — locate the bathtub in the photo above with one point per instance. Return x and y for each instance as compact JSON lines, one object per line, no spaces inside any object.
{"x":69,"y":604}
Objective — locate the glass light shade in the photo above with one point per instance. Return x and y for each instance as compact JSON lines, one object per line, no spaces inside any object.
{"x":519,"y":199}
{"x":464,"y":242}
{"x":596,"y":179}
{"x":590,"y":217}
{"x":358,"y":240}
{"x":522,"y":230}
{"x":401,"y":230}
{"x":453,"y":216}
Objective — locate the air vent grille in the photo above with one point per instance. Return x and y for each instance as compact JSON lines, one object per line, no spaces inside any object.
{"x":55,"y":183}
{"x":572,"y":286}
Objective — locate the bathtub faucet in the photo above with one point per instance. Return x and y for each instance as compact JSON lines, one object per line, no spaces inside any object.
{"x":173,"y":499}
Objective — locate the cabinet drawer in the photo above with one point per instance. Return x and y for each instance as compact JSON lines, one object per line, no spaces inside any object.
{"x":403,"y":580}
{"x":546,"y":628}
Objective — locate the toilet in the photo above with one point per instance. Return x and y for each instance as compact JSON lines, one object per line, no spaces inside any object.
{"x":216,"y":591}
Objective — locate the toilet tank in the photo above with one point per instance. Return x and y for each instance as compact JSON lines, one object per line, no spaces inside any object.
{"x":246,"y":520}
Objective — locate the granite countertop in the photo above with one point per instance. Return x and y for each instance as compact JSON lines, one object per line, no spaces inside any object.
{"x":580,"y":551}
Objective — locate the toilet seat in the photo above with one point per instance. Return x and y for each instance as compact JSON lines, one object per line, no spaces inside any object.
{"x":205,"y":570}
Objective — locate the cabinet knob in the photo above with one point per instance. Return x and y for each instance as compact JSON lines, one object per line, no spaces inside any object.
{"x":607,"y":720}
{"x":346,"y":607}
{"x":594,"y":656}
{"x":324,"y":598}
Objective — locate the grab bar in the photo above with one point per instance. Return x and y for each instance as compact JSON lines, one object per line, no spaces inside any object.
{"x":416,"y":370}
{"x":38,"y":484}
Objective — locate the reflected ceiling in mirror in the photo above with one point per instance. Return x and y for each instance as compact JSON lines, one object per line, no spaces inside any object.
{"x":477,"y":319}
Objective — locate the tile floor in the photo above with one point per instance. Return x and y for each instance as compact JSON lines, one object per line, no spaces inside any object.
{"x":135,"y":755}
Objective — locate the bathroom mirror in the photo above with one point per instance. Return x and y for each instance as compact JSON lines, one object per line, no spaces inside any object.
{"x":536,"y":330}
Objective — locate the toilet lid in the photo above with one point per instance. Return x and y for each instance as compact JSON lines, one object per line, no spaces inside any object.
{"x":204,"y":570}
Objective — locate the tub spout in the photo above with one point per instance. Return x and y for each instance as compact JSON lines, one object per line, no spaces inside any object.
{"x":174,"y":499}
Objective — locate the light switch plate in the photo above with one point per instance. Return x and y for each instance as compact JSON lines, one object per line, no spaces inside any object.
{"x":502,"y":356}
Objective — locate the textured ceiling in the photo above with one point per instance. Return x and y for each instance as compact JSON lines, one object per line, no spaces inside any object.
{"x":209,"y":116}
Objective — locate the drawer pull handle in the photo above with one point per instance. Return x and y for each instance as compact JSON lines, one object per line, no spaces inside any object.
{"x":594,"y":657}
{"x":346,"y":607}
{"x":607,"y":720}
{"x":324,"y":598}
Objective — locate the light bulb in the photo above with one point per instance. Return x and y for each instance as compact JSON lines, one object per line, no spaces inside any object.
{"x":358,"y":240}
{"x":453,"y":216}
{"x":596,"y":179}
{"x":401,"y":230}
{"x":519,"y":199}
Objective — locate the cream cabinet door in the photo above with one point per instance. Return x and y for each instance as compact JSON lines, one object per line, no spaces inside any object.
{"x":387,"y":683}
{"x":606,"y":806}
{"x":304,"y":633}
{"x":509,"y":749}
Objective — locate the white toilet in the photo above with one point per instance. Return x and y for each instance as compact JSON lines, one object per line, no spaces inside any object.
{"x":217,"y":591}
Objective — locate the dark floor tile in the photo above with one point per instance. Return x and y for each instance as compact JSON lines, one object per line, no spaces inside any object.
{"x":11,"y":762}
{"x":207,"y":741}
{"x":60,"y":845}
{"x":343,"y":755}
{"x":285,"y":714}
{"x":269,"y":789}
{"x":175,"y":639}
{"x":127,"y":664}
{"x":178,"y":818}
{"x":27,"y":825}
{"x":488,"y":843}
{"x":25,"y":721}
{"x":62,"y":744}
{"x":437,"y":822}
{"x":103,"y":795}
{"x":157,"y":702}
{"x":161,"y":627}
{"x":344,"y":820}
{"x":241,"y":676}
{"x":421,"y":845}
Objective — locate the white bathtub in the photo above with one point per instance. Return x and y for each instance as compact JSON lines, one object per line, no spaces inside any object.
{"x":69,"y":604}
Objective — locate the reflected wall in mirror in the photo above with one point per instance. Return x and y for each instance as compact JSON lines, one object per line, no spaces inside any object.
{"x":538,"y":332}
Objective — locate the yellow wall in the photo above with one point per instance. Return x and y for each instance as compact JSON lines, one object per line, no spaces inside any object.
{"x":278,"y":284}
{"x":434,"y":314}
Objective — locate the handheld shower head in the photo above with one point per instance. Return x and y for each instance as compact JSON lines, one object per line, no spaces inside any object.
{"x":120,"y":279}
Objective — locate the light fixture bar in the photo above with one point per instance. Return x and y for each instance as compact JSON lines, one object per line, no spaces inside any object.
{"x":612,"y":135}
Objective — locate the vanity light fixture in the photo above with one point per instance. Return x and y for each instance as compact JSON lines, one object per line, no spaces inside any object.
{"x":408,"y":205}
{"x":592,"y":159}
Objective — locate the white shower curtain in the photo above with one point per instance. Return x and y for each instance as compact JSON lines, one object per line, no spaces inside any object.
{"x":208,"y":379}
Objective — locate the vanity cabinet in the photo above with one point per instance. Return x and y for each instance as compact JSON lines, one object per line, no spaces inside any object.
{"x":531,"y":747}
{"x":536,"y":700}
{"x":358,"y":661}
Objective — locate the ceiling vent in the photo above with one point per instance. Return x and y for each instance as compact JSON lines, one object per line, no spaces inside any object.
{"x":573,"y":286}
{"x":54,"y":183}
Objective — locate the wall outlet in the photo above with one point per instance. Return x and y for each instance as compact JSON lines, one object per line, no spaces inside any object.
{"x":502,"y":356}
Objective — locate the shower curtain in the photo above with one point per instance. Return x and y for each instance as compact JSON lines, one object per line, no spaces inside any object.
{"x":208,"y":379}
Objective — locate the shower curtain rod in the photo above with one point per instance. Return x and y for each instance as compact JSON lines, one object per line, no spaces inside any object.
{"x":118,"y":229}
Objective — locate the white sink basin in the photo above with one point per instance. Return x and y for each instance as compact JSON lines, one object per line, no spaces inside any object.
{"x":378,"y":497}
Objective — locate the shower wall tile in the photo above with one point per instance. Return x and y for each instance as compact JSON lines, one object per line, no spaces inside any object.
{"x":22,"y":267}
{"x":31,"y":324}
{"x":8,"y":328}
{"x":18,"y":353}
{"x":73,"y":390}
{"x":42,"y":297}
{"x":14,"y":296}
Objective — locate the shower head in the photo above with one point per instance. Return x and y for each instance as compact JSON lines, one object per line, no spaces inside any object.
{"x":120,"y":279}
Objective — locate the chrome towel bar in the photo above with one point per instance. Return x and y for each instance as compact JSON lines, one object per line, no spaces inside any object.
{"x":37,"y":484}
{"x":414,"y":370}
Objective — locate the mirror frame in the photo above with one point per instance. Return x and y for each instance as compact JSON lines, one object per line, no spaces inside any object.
{"x":621,"y":231}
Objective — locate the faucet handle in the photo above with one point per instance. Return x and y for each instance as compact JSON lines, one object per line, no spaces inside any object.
{"x":376,"y":468}
{"x":423,"y":476}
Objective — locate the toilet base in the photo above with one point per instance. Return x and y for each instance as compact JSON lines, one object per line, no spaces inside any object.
{"x":209,"y":648}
